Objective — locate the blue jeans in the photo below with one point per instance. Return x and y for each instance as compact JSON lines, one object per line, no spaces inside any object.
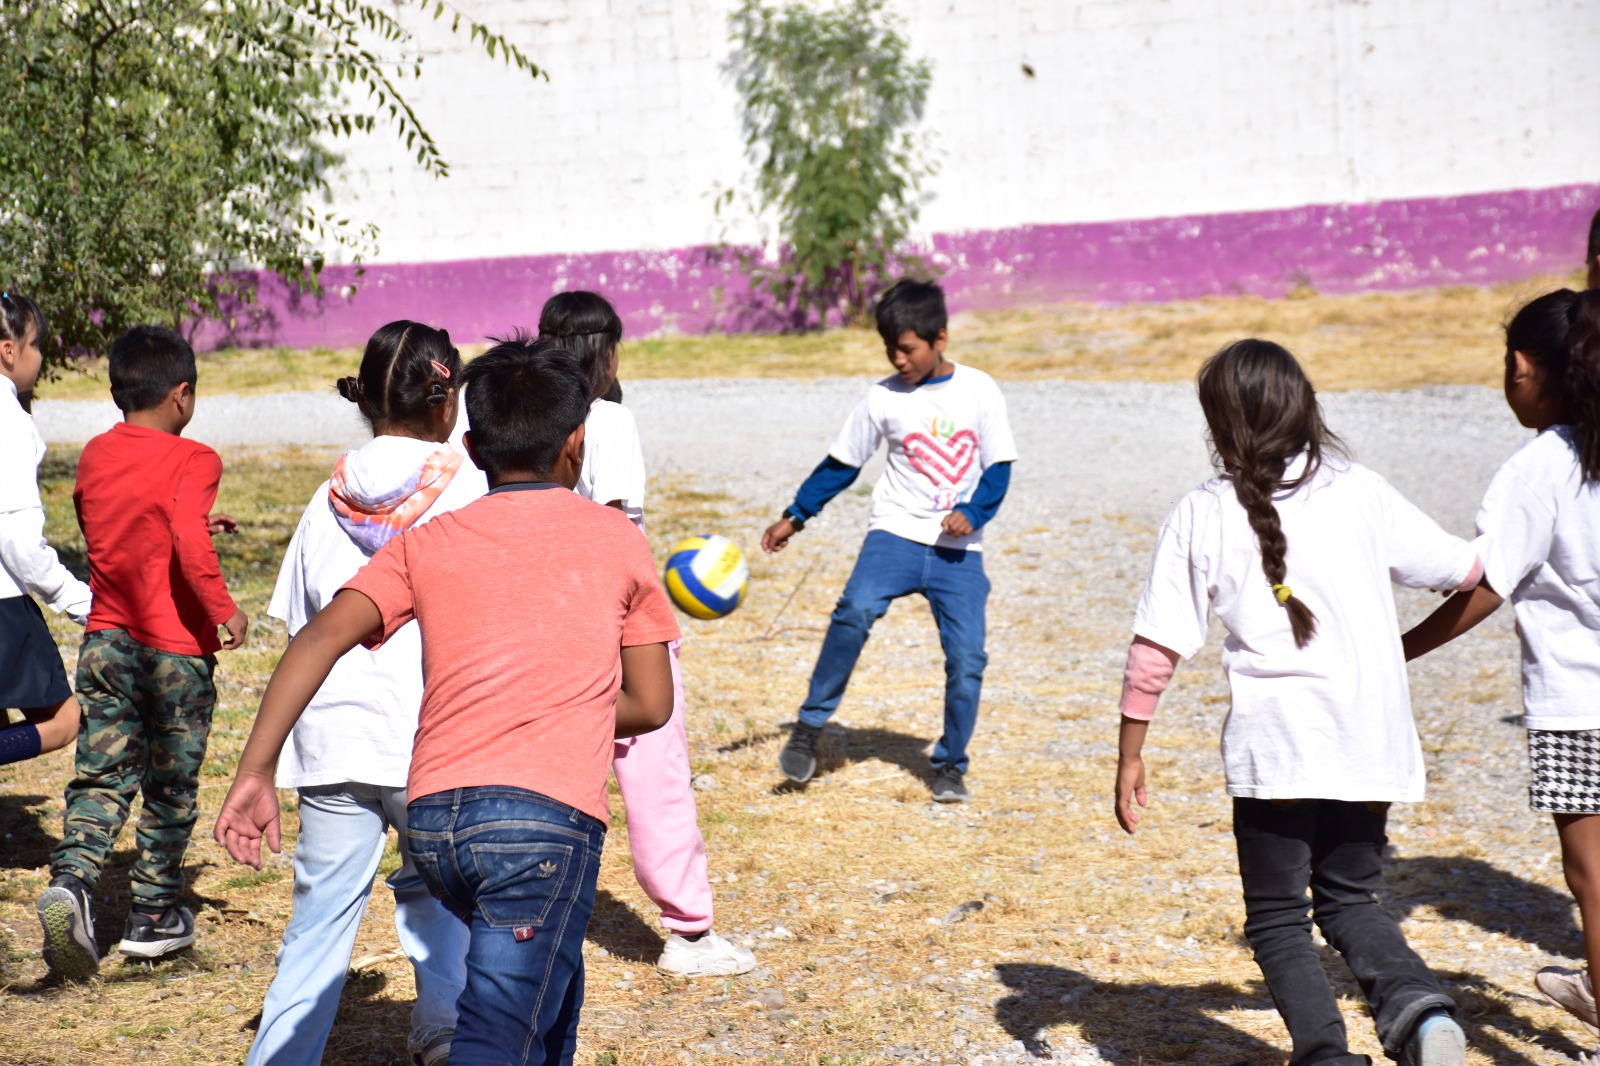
{"x":342,"y":833}
{"x":519,"y":868}
{"x":953,"y":581}
{"x":1334,"y":849}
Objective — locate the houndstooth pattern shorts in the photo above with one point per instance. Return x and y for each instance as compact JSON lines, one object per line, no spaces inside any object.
{"x":1566,"y":771}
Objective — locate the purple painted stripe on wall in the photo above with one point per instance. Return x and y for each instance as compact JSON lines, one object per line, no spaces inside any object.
{"x":1477,"y":240}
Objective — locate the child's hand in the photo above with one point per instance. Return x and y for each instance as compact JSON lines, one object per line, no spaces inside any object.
{"x":237,"y":626}
{"x":777,"y":535}
{"x":221,"y":523}
{"x":957,"y":524}
{"x":249,"y":813}
{"x":1130,"y":787}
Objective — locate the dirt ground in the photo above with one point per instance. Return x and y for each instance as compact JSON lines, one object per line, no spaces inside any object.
{"x":1021,"y":927}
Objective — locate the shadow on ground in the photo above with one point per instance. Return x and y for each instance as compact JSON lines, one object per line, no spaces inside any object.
{"x":1477,"y":892}
{"x":841,"y":746}
{"x":1131,"y":1023}
{"x":22,"y":828}
{"x":623,"y":933}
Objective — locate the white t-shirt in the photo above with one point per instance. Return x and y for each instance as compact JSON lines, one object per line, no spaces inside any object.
{"x":360,"y":725}
{"x":1331,"y":720}
{"x":1539,"y":536}
{"x":942,"y":436}
{"x":613,"y":461}
{"x":28,"y":565}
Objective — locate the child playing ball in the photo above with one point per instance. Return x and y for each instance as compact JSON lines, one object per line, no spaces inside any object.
{"x":544,"y":636}
{"x":669,"y":854}
{"x":1539,"y":535}
{"x":1293,"y":547}
{"x":950,"y":455}
{"x":32,"y":679}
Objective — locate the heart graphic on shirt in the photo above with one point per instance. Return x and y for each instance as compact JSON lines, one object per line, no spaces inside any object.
{"x":948,"y":461}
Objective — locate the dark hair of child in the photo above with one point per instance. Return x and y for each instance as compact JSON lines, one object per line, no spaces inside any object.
{"x":525,"y":397}
{"x":1594,"y":242}
{"x":146,"y":364}
{"x":407,"y":370}
{"x":1262,"y":412}
{"x":585,"y":324}
{"x":912,"y":305}
{"x":1560,"y":332}
{"x":17,"y":312}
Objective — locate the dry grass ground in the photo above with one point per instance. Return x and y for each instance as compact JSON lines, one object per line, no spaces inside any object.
{"x":1021,"y":926}
{"x":1364,"y":341}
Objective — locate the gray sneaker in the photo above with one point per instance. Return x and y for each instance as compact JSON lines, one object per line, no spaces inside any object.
{"x":798,"y":759}
{"x":431,"y":1047}
{"x":948,"y":786}
{"x":1437,"y":1041}
{"x":69,"y":947}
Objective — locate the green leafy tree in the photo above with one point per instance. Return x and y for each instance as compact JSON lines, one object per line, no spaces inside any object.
{"x":151,"y":151}
{"x":831,"y":97}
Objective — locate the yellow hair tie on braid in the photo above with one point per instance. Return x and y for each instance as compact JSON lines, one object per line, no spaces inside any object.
{"x":1284,"y":593}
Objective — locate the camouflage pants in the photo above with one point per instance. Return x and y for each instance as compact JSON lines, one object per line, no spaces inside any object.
{"x":146,"y":718}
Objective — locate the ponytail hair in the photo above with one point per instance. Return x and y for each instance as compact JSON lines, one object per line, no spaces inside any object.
{"x":585,"y":324}
{"x":407,"y":370}
{"x":1560,"y":332}
{"x":1262,"y":412}
{"x":17,"y":313}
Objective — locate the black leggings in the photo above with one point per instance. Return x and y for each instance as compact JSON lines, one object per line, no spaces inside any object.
{"x":1334,"y":849}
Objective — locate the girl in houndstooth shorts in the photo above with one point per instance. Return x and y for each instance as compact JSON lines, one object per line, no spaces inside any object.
{"x":1539,"y":538}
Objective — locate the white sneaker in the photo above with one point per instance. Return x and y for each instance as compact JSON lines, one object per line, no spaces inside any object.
{"x":1568,"y":990}
{"x":708,"y":956}
{"x":431,"y":1047}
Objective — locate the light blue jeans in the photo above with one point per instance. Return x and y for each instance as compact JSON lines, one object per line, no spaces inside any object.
{"x":342,"y":833}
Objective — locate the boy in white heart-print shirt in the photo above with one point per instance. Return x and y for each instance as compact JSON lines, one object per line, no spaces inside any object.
{"x":950,"y":455}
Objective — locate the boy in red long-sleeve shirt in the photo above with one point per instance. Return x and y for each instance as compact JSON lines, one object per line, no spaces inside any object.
{"x":144,"y":496}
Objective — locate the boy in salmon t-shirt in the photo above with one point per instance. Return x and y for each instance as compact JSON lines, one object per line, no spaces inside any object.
{"x":544,"y":636}
{"x":144,"y":496}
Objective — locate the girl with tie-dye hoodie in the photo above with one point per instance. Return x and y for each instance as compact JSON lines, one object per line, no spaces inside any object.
{"x":350,"y":752}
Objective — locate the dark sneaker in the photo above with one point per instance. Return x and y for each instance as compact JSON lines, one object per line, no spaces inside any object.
{"x":69,"y":947}
{"x":1436,"y":1041}
{"x":798,"y":759}
{"x":150,"y":936}
{"x":948,"y":786}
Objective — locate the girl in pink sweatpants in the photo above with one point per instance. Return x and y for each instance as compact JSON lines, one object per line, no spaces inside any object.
{"x":669,"y":854}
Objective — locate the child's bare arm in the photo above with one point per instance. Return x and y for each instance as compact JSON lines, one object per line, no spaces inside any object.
{"x":1130,"y":772}
{"x":251,"y":808}
{"x":1454,"y":617}
{"x":645,"y":702}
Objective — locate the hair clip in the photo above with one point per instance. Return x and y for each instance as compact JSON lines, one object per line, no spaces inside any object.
{"x":443,"y":370}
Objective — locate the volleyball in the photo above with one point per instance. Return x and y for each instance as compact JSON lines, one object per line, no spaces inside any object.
{"x":706,"y":576}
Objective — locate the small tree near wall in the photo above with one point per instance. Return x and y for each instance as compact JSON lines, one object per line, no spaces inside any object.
{"x":831,"y":97}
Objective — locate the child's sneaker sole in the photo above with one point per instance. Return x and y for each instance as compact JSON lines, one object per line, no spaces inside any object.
{"x":65,"y":951}
{"x":1439,"y":1042}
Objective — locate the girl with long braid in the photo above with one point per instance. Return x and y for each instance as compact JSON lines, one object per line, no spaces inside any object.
{"x":1293,"y":547}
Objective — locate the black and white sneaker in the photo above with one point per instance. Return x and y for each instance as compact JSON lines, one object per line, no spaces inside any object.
{"x":150,"y":936}
{"x":948,"y":786}
{"x":69,"y":947}
{"x":798,"y":759}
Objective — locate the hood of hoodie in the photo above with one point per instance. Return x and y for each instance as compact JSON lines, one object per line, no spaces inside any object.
{"x":385,"y":487}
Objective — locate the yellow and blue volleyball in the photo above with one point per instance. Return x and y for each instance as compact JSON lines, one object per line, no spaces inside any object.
{"x":706,"y":576}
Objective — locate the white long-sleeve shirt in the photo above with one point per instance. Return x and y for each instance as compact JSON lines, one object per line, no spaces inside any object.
{"x":28,"y":565}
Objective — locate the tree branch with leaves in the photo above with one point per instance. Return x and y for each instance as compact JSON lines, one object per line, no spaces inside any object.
{"x":156,"y":151}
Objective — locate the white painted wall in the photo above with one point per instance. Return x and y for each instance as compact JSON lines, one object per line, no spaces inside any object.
{"x":1137,"y":109}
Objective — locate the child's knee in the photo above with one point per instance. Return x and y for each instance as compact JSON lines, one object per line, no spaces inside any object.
{"x":965,"y":661}
{"x":858,"y":612}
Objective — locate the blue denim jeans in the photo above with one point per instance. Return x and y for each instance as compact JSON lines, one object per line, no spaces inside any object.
{"x":342,"y":832}
{"x":953,"y":581}
{"x":519,"y":868}
{"x":1334,"y":849}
